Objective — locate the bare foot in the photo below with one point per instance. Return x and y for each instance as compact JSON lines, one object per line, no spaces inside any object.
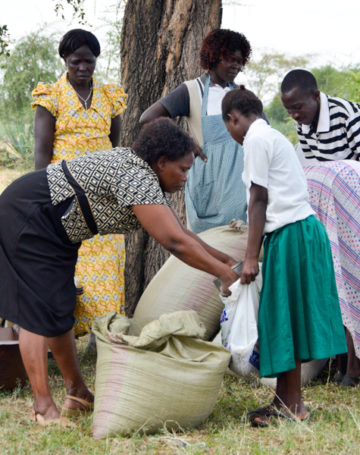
{"x":62,"y":421}
{"x":46,"y":408}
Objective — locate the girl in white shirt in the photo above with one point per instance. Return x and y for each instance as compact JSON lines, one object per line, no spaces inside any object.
{"x":299,"y":313}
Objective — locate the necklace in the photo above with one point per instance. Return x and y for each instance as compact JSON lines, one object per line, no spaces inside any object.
{"x":85,"y":100}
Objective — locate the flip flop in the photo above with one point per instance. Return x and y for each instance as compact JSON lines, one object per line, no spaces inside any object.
{"x":265,"y":410}
{"x":350,"y":381}
{"x":293,"y":418}
{"x":263,"y":416}
{"x":60,"y":421}
{"x":87,"y":406}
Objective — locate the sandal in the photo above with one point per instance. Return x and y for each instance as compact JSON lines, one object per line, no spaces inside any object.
{"x":350,"y":381}
{"x":293,"y":417}
{"x":61,"y":421}
{"x":263,"y":416}
{"x":265,"y":410}
{"x":87,"y":406}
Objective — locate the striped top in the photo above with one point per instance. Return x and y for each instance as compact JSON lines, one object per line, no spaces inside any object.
{"x":337,"y":136}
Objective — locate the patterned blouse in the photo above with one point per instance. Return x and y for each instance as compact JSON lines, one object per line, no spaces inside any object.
{"x":113,"y":181}
{"x":79,"y":131}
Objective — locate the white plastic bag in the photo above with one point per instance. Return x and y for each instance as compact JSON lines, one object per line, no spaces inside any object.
{"x":239,"y":326}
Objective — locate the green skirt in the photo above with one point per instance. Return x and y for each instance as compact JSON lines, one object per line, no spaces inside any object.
{"x":299,"y":312}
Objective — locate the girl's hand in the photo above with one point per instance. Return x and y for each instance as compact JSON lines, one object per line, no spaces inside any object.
{"x":250,"y":269}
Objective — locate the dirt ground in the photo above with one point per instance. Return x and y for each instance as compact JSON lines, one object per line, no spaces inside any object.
{"x":8,"y":175}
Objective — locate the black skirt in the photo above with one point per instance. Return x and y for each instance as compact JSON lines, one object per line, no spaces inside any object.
{"x":37,"y":260}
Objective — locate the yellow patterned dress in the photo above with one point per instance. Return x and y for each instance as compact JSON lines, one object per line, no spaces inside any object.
{"x":101,"y":261}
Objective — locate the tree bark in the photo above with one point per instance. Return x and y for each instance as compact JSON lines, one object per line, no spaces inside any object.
{"x":161,"y":41}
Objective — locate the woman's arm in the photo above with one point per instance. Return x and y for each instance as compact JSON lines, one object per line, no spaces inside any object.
{"x":225,"y":258}
{"x":157,"y":110}
{"x":44,"y":127}
{"x":257,"y":216}
{"x":159,"y":221}
{"x":174,"y":104}
{"x":153,"y":112}
{"x":115,"y":129}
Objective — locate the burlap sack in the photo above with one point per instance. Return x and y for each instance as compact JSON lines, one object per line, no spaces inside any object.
{"x":178,"y":286}
{"x":167,"y":376}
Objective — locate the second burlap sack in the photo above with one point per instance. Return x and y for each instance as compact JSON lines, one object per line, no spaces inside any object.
{"x":178,"y":286}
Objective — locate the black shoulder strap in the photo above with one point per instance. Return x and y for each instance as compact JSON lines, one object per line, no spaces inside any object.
{"x":82,"y":199}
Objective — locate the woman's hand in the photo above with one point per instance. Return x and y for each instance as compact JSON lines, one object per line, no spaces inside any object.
{"x":250,"y":269}
{"x":199,"y":153}
{"x":227,"y":279}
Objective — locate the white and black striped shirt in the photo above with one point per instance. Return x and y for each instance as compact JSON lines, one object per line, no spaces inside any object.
{"x":337,"y":136}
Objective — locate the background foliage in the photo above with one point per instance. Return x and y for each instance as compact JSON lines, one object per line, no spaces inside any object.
{"x":34,"y":58}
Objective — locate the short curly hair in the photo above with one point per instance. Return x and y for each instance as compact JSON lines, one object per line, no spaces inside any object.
{"x":76,"y":38}
{"x":299,"y":78}
{"x":219,"y":44}
{"x":242,"y":100}
{"x":162,"y":137}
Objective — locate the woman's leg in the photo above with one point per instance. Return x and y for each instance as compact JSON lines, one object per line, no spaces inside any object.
{"x":352,"y":375}
{"x":33,"y":348}
{"x":63,"y":349}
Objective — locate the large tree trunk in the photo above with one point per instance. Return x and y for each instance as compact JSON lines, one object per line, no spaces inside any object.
{"x":160,"y":47}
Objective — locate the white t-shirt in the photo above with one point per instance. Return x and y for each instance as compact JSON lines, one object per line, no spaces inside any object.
{"x":271,"y":162}
{"x":215,"y":97}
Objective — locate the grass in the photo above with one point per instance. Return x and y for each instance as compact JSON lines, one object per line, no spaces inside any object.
{"x":334,"y":427}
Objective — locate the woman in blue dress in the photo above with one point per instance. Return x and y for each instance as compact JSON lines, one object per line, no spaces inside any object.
{"x":214,"y":193}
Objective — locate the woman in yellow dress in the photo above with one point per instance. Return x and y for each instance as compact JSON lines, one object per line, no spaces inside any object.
{"x":75,"y":116}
